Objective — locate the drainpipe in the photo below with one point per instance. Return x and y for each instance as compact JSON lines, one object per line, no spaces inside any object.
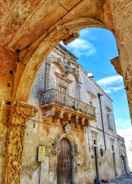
{"x":102,"y":120}
{"x":40,"y":171}
{"x":114,"y":160}
{"x":124,"y":164}
{"x":97,"y":180}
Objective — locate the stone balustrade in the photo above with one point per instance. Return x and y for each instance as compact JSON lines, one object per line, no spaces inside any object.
{"x":54,"y":96}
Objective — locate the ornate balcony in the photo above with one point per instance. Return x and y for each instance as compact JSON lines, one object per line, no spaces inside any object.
{"x":66,"y":105}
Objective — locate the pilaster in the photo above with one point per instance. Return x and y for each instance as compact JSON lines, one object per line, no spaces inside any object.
{"x":20,"y":113}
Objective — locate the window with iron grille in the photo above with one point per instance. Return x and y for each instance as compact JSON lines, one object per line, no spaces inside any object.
{"x":110,"y":122}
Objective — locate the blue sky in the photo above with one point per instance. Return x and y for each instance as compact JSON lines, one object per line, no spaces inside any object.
{"x":95,"y":48}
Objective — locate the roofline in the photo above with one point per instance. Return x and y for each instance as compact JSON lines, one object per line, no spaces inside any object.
{"x":101,"y":88}
{"x":75,"y":58}
{"x":67,"y":51}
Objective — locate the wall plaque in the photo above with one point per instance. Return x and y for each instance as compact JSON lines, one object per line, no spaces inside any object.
{"x":41,"y":153}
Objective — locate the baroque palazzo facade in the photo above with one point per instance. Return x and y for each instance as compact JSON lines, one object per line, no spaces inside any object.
{"x":73,"y":137}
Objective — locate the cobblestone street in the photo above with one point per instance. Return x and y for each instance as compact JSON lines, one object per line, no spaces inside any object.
{"x":122,"y":180}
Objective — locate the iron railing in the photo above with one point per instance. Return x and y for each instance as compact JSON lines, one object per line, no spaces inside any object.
{"x":54,"y":96}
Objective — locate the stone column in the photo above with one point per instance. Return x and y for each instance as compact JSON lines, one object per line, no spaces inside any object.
{"x":19,"y":114}
{"x":8,"y":62}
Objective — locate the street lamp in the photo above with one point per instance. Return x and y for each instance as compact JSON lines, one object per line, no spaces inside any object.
{"x":97,"y":180}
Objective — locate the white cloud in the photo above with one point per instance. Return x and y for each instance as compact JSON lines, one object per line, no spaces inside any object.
{"x":88,"y":33}
{"x":79,"y":44}
{"x":109,"y":80}
{"x":107,"y":91}
{"x":127,"y":134}
{"x":111,"y":84}
{"x":82,"y":47}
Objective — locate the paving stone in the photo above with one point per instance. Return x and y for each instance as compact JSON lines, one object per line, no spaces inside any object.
{"x":122,"y":180}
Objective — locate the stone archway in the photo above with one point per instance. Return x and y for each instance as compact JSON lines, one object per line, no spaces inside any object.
{"x":30,"y":30}
{"x":59,"y":34}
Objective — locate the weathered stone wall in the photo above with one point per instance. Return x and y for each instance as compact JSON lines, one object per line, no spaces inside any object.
{"x":49,"y":134}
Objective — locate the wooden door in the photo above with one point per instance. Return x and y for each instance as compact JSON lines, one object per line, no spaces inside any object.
{"x":64,"y":167}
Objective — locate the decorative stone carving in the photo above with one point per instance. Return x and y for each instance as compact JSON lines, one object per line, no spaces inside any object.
{"x":67,"y":128}
{"x":20,"y":113}
{"x":3,"y":119}
{"x":23,"y":112}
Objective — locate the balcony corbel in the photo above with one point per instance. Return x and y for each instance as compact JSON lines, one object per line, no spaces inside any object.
{"x":69,"y":116}
{"x":61,"y":115}
{"x":66,"y":108}
{"x":83,"y":121}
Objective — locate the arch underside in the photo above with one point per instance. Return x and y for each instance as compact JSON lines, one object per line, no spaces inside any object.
{"x":33,"y":59}
{"x":34,"y":28}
